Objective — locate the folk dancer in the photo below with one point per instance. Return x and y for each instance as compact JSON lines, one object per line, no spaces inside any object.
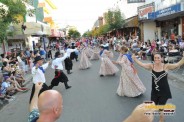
{"x":38,"y":72}
{"x":84,"y":61}
{"x":68,"y":61}
{"x":130,"y":84}
{"x":160,"y":87}
{"x":107,"y":67}
{"x":59,"y":74}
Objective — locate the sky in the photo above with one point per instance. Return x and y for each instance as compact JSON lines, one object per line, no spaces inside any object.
{"x":82,"y":13}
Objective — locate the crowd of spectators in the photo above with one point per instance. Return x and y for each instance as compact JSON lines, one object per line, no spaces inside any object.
{"x":14,"y":67}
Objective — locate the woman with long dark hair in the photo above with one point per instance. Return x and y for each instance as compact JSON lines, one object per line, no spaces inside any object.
{"x":160,"y":88}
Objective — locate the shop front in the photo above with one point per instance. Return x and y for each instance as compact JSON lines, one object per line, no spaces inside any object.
{"x":146,"y":21}
{"x":169,"y":21}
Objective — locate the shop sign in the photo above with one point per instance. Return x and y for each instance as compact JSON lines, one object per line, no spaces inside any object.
{"x":135,"y":1}
{"x":168,"y":11}
{"x":151,"y":15}
{"x":144,"y":10}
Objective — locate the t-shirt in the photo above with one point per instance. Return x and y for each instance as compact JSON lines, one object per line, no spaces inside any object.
{"x":4,"y":87}
{"x":34,"y":115}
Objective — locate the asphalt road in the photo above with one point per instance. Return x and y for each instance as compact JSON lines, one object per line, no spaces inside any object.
{"x":93,"y":98}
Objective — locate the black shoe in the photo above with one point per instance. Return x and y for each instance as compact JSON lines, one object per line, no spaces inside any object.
{"x":113,"y":74}
{"x":69,"y":72}
{"x":101,"y":75}
{"x":68,"y":87}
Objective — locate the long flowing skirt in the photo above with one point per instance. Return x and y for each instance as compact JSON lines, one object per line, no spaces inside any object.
{"x":84,"y":62}
{"x":130,"y":84}
{"x":88,"y":52}
{"x":107,"y":67}
{"x":95,"y":56}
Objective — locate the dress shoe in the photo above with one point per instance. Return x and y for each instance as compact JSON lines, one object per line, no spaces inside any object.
{"x":69,"y":72}
{"x":68,"y":87}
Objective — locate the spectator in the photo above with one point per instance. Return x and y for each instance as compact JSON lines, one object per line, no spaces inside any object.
{"x":6,"y":69}
{"x":4,"y":59}
{"x":138,"y":114}
{"x":46,"y":108}
{"x":5,"y":88}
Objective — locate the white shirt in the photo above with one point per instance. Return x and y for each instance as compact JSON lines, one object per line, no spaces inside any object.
{"x":106,"y":45}
{"x":38,"y":75}
{"x":57,"y":63}
{"x":69,"y":51}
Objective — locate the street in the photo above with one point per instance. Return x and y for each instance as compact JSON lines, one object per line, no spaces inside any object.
{"x":93,"y":98}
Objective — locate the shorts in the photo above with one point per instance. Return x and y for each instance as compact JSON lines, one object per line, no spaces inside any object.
{"x":159,"y":100}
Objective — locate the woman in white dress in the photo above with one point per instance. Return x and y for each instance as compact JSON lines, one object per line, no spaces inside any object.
{"x":84,"y":61}
{"x":107,"y":67}
{"x":130,"y":84}
{"x":95,"y":54}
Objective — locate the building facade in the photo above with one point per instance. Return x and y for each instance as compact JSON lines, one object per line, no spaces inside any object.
{"x":166,"y":19}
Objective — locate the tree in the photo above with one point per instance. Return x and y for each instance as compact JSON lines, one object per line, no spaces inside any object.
{"x":87,"y":34}
{"x":114,"y":19}
{"x":16,"y":9}
{"x":103,"y":29}
{"x":73,"y":33}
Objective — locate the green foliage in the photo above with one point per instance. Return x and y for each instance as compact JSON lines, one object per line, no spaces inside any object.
{"x":103,"y":29}
{"x":114,"y":19}
{"x":87,"y":34}
{"x":73,"y":33}
{"x":15,"y":8}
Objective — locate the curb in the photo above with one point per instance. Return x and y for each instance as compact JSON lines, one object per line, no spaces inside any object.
{"x":28,"y":80}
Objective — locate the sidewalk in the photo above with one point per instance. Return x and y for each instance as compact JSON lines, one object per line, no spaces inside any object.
{"x":28,"y":77}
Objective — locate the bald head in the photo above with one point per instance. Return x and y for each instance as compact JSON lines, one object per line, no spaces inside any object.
{"x":50,"y":100}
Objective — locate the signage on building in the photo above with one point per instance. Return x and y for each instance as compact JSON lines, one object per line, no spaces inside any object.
{"x":135,"y":1}
{"x":165,"y":3}
{"x":168,"y":11}
{"x":144,"y":10}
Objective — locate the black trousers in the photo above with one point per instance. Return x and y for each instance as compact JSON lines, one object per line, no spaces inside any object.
{"x":68,"y":64}
{"x":59,"y":77}
{"x":44,"y":88}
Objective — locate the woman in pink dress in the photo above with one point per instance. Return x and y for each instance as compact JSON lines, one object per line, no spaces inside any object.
{"x":84,"y":61}
{"x":107,"y":67}
{"x":130,"y":84}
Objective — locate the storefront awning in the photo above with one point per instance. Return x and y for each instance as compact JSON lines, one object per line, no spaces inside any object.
{"x":171,"y":12}
{"x":131,"y":22}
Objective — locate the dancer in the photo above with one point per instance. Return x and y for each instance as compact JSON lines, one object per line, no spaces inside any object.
{"x":59,"y":74}
{"x":84,"y":61}
{"x":95,"y":54}
{"x":106,"y":67}
{"x":160,"y":88}
{"x":68,"y":61}
{"x":130,"y":85}
{"x":88,"y":51}
{"x":38,"y":72}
